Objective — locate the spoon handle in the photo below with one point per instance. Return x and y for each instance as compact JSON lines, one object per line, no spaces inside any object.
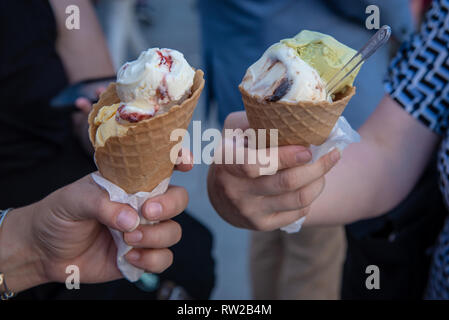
{"x":374,"y":43}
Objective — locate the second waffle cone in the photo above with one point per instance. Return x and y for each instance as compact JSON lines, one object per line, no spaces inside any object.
{"x":303,"y":123}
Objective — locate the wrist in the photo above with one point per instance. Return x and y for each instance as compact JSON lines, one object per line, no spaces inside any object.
{"x":19,"y":262}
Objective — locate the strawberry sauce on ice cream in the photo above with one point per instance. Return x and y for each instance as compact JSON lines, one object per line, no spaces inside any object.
{"x":148,"y":86}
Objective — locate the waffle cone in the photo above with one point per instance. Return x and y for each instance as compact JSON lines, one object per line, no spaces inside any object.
{"x":140,"y":159}
{"x":303,"y":123}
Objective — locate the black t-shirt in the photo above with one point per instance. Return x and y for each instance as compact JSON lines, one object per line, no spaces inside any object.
{"x":38,"y":151}
{"x":31,"y":73}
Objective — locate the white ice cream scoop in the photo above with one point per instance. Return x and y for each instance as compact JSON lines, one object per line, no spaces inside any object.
{"x":280,"y":74}
{"x":157,"y":78}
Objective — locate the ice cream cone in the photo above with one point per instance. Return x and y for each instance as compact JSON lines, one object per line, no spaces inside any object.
{"x":302,"y":123}
{"x":140,"y":159}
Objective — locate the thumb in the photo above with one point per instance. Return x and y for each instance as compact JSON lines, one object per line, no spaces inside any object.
{"x":84,"y":200}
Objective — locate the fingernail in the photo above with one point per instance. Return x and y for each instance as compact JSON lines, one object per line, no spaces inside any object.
{"x":303,"y":156}
{"x":134,"y":237}
{"x":154,"y":210}
{"x":133,"y":255}
{"x":127,"y":220}
{"x":335,"y":156}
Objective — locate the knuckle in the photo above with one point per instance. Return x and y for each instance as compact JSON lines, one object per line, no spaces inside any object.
{"x":154,"y":237}
{"x":305,"y":197}
{"x":284,"y":159}
{"x":326,"y":164}
{"x":108,"y":212}
{"x":103,"y":204}
{"x":155,"y":262}
{"x":308,"y":194}
{"x":161,"y":260}
{"x":231,"y":193}
{"x":180,"y":202}
{"x":183,"y":194}
{"x":151,"y":262}
{"x":303,"y":212}
{"x":186,"y":198}
{"x":258,"y":224}
{"x":177,"y":232}
{"x":315,"y":191}
{"x":322,"y":166}
{"x":169,"y":259}
{"x":322,"y":182}
{"x":251,"y":170}
{"x":227,"y":187}
{"x":286,"y":180}
{"x":246,"y":208}
{"x":264,"y":224}
{"x":301,"y":198}
{"x":261,"y":223}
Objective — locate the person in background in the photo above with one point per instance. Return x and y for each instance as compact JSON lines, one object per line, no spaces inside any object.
{"x":284,"y":265}
{"x":120,"y":22}
{"x":375,"y":175}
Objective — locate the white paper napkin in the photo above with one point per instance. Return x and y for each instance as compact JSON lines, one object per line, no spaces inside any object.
{"x":136,"y":201}
{"x":341,"y":136}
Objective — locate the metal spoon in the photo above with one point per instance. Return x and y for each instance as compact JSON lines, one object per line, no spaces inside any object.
{"x":374,"y":43}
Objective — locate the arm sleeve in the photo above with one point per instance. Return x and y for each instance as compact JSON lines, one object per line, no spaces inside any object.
{"x":418,"y":75}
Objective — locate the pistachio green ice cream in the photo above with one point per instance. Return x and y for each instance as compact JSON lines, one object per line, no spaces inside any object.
{"x":325,"y":54}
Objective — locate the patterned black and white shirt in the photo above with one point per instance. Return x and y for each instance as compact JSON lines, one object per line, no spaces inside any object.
{"x":418,"y":79}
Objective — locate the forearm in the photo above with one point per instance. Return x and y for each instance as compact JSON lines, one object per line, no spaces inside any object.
{"x":20,"y":264}
{"x":377,"y":174}
{"x":84,"y":52}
